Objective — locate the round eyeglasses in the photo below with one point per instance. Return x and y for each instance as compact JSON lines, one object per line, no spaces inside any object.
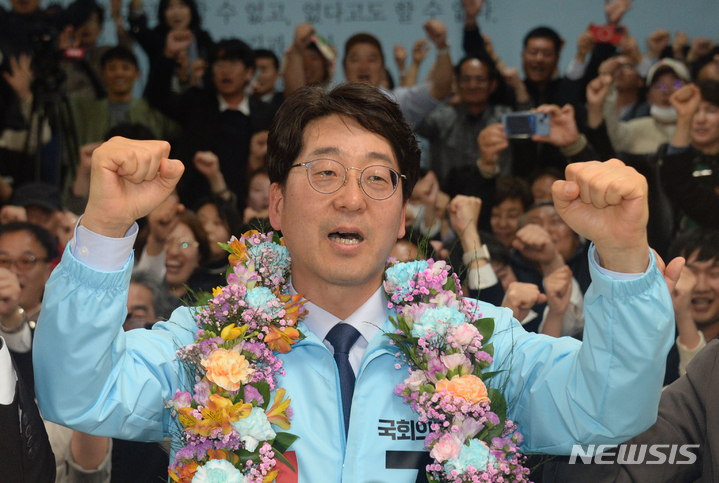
{"x":24,"y":264}
{"x":327,"y":176}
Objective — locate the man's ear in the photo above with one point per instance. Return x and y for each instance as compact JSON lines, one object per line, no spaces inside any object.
{"x":493,"y":86}
{"x":401,"y":232}
{"x":277,"y":196}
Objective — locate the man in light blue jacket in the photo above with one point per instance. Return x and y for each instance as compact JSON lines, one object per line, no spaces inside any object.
{"x":94,"y":377}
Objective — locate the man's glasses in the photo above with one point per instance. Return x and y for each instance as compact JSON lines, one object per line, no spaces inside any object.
{"x":327,"y":176}
{"x":24,"y":264}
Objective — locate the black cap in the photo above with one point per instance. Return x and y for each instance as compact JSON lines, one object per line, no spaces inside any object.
{"x":37,"y":194}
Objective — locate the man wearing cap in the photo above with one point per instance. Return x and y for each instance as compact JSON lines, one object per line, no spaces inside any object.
{"x":644,"y":135}
{"x":37,"y":203}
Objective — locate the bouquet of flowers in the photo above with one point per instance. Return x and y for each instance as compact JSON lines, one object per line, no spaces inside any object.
{"x":444,"y":340}
{"x":227,"y":421}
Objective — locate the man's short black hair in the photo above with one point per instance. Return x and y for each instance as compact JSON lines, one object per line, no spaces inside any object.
{"x":41,"y":235}
{"x":119,"y":53}
{"x":234,"y":49}
{"x":267,"y":54}
{"x":362,"y":38}
{"x":509,"y":187}
{"x":544,"y":33}
{"x":710,"y":91}
{"x":703,"y":240}
{"x":363,"y":104}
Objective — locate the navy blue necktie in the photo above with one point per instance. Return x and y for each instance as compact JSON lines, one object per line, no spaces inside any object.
{"x":342,"y":337}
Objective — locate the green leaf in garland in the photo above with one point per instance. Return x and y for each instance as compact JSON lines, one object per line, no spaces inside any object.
{"x":497,"y":404}
{"x":281,"y":458}
{"x":264,"y":389}
{"x":283,"y":441}
{"x":489,"y":349}
{"x":430,"y":479}
{"x":485,"y":327}
{"x":246,"y":456}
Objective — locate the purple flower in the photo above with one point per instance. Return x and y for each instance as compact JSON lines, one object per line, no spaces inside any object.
{"x":252,"y":394}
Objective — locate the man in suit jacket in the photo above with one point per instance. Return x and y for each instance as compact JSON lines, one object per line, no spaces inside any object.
{"x":687,"y":425}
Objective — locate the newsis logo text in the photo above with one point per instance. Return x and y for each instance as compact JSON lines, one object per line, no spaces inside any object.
{"x":635,"y":454}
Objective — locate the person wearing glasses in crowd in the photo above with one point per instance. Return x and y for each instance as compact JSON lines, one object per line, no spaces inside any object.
{"x":343,"y":164}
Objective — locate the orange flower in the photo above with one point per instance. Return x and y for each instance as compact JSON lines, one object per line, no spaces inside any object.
{"x":219,"y":413}
{"x":280,"y":340}
{"x":270,"y":477}
{"x":184,"y":473}
{"x":228,"y":369}
{"x":239,"y":252}
{"x":276,"y":414}
{"x":218,"y":454}
{"x":293,"y":303}
{"x":470,"y":388}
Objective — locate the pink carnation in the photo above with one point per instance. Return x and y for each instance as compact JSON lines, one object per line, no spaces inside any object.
{"x":445,"y":448}
{"x":464,"y":334}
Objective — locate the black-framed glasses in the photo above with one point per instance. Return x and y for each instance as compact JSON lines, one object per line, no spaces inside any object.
{"x":327,"y":176}
{"x":24,"y":264}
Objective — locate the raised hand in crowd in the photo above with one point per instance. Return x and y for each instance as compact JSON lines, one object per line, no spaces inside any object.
{"x":442,"y":72}
{"x":160,"y":223}
{"x":81,"y":184}
{"x":20,"y":76}
{"x":11,"y":213}
{"x":657,"y":42}
{"x":682,"y":301}
{"x":681,"y":40}
{"x":597,"y":91}
{"x":535,"y":244}
{"x":472,"y":8}
{"x":208,"y":164}
{"x":492,"y":140}
{"x":177,"y":42}
{"x":400,"y":58}
{"x":686,"y":101}
{"x":563,"y":130}
{"x":427,"y":193}
{"x":558,"y":288}
{"x":129,"y":179}
{"x":463,"y":213}
{"x":615,"y":10}
{"x":408,"y":77}
{"x":585,"y":44}
{"x":514,"y":81}
{"x":700,"y":47}
{"x":10,"y":300}
{"x":628,"y":46}
{"x":294,"y":73}
{"x":520,"y":297}
{"x":606,"y":202}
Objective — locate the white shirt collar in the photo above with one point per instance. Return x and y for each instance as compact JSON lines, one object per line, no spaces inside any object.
{"x":244,"y":106}
{"x":7,"y":377}
{"x":367,"y":319}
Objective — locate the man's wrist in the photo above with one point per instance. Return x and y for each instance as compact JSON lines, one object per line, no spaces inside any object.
{"x":575,"y":147}
{"x":13,"y":323}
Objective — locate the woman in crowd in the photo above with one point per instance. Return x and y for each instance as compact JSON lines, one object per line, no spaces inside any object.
{"x":180,"y":20}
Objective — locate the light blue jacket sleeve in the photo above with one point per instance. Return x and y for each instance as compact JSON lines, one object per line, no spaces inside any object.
{"x":604,"y":390}
{"x":92,"y":376}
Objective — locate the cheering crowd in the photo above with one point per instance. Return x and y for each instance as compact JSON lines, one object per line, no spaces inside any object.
{"x":483,"y":199}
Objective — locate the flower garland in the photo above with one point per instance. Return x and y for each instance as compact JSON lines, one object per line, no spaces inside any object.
{"x":226,"y":423}
{"x":443,"y":339}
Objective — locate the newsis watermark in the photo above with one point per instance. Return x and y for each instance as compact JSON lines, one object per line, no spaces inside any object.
{"x":635,"y":454}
